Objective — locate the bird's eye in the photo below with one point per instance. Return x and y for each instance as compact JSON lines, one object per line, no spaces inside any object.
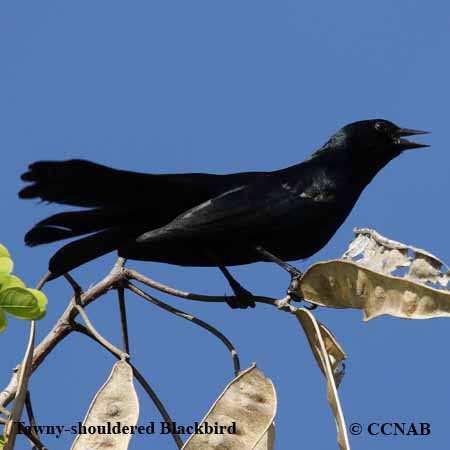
{"x":380,"y":126}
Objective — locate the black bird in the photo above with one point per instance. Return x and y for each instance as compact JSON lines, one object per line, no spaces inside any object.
{"x":197,"y":219}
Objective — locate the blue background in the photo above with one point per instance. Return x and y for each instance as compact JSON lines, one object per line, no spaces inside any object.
{"x":211,"y":86}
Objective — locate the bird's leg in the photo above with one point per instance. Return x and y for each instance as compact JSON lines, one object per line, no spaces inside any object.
{"x":295,"y":274}
{"x":242,"y":298}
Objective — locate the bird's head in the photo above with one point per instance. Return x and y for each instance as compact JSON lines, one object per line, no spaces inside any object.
{"x":373,"y":140}
{"x":380,"y":135}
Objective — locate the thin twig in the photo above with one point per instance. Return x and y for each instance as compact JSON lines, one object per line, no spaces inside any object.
{"x":4,"y":411}
{"x":146,"y":386}
{"x":134,"y":275}
{"x":35,"y":440}
{"x":43,"y":280}
{"x":30,"y":414}
{"x":77,"y":290}
{"x":151,"y":393}
{"x":38,"y":445}
{"x":111,"y":347}
{"x":77,"y":303}
{"x":29,"y":409}
{"x":25,"y":370}
{"x":201,"y":323}
{"x":123,"y":318}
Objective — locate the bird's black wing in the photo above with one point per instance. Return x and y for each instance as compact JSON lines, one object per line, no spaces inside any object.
{"x":261,"y":205}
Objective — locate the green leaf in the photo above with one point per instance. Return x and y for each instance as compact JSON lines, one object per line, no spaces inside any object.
{"x":2,"y":442}
{"x":10,"y":281}
{"x":20,"y":303}
{"x":41,"y":302}
{"x":6,"y":265}
{"x":4,"y":251}
{"x":3,"y":323}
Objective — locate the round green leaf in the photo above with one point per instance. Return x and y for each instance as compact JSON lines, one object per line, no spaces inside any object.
{"x":19,"y":303}
{"x":3,"y":321}
{"x":6,"y":265}
{"x":4,"y":251}
{"x":41,"y":302}
{"x":10,"y":281}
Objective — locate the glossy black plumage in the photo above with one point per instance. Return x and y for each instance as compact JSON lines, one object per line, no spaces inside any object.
{"x":209,"y":220}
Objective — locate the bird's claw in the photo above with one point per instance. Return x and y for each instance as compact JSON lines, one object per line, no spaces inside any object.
{"x":294,"y":290}
{"x":242,"y":299}
{"x":294,"y":287}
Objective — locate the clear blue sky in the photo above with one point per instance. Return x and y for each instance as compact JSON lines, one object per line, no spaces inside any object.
{"x":213,"y":86}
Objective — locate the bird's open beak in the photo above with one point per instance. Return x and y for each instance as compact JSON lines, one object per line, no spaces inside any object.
{"x":405,"y":144}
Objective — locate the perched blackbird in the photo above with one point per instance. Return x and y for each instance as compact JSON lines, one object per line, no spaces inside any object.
{"x":198,"y":219}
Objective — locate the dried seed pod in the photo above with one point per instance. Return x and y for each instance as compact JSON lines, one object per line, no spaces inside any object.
{"x":116,"y":401}
{"x":329,"y":356}
{"x":246,"y":409}
{"x":345,"y":284}
{"x":366,"y":279}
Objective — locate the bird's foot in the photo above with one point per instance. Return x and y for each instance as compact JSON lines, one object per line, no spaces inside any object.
{"x":294,"y":286}
{"x":242,"y":298}
{"x":294,"y":290}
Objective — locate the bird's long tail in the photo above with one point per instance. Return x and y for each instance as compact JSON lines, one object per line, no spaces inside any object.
{"x":83,"y":183}
{"x":113,"y":196}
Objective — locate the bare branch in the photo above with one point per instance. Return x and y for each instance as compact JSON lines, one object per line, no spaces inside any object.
{"x":43,"y":280}
{"x":10,"y":431}
{"x":134,"y":275}
{"x":123,"y":318}
{"x":151,"y":393}
{"x":111,"y":347}
{"x":201,"y":323}
{"x":30,"y":414}
{"x":77,"y":290}
{"x":37,"y":444}
{"x":77,"y":304}
{"x":4,"y":411}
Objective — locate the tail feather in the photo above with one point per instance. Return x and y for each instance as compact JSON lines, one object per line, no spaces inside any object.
{"x":45,"y":235}
{"x":74,"y":223}
{"x":82,"y":251}
{"x":81,"y":183}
